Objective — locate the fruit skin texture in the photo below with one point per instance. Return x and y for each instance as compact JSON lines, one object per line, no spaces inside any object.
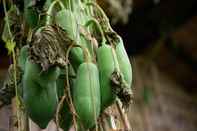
{"x":124,"y":62}
{"x":40,"y":94}
{"x":67,"y":21}
{"x":106,"y":65}
{"x":76,"y":57}
{"x":86,"y":94}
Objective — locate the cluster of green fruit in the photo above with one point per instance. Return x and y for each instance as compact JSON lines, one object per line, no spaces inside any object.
{"x":97,"y":59}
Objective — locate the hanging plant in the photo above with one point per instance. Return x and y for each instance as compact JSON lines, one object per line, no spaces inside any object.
{"x":69,"y":65}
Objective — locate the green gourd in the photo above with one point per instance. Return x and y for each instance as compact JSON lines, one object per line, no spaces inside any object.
{"x":67,"y":21}
{"x":107,"y":64}
{"x":39,"y":93}
{"x":76,"y":54}
{"x":86,"y":94}
{"x":124,"y":62}
{"x":76,"y":57}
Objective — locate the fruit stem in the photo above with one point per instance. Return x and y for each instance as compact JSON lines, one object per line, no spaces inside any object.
{"x":50,"y":10}
{"x":97,"y":27}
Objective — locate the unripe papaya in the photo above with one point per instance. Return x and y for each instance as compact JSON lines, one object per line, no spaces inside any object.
{"x":51,"y":75}
{"x":67,"y":21}
{"x":40,"y":94}
{"x":107,"y":64}
{"x":86,"y":94}
{"x":76,"y":57}
{"x":124,"y":62}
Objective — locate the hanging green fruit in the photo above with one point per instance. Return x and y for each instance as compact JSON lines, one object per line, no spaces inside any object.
{"x":67,"y":21}
{"x":40,"y":94}
{"x":107,"y":64}
{"x":86,"y":94}
{"x":123,"y":61}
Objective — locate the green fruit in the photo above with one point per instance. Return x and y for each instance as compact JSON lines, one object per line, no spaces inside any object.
{"x":124,"y":62}
{"x":86,"y":94}
{"x":67,"y":21}
{"x":76,"y":57}
{"x":39,"y":93}
{"x":107,"y":65}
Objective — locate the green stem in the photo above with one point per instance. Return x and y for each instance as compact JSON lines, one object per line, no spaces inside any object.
{"x":68,"y":92}
{"x":86,"y":53}
{"x":102,"y":13}
{"x":77,"y":5}
{"x":70,"y":5}
{"x":50,"y":10}
{"x":6,"y":18}
{"x":91,"y":8}
{"x":98,"y":28}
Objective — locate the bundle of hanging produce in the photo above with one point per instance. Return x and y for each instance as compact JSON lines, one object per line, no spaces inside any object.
{"x":69,"y":65}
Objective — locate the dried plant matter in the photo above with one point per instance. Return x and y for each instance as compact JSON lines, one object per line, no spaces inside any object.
{"x":48,"y":47}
